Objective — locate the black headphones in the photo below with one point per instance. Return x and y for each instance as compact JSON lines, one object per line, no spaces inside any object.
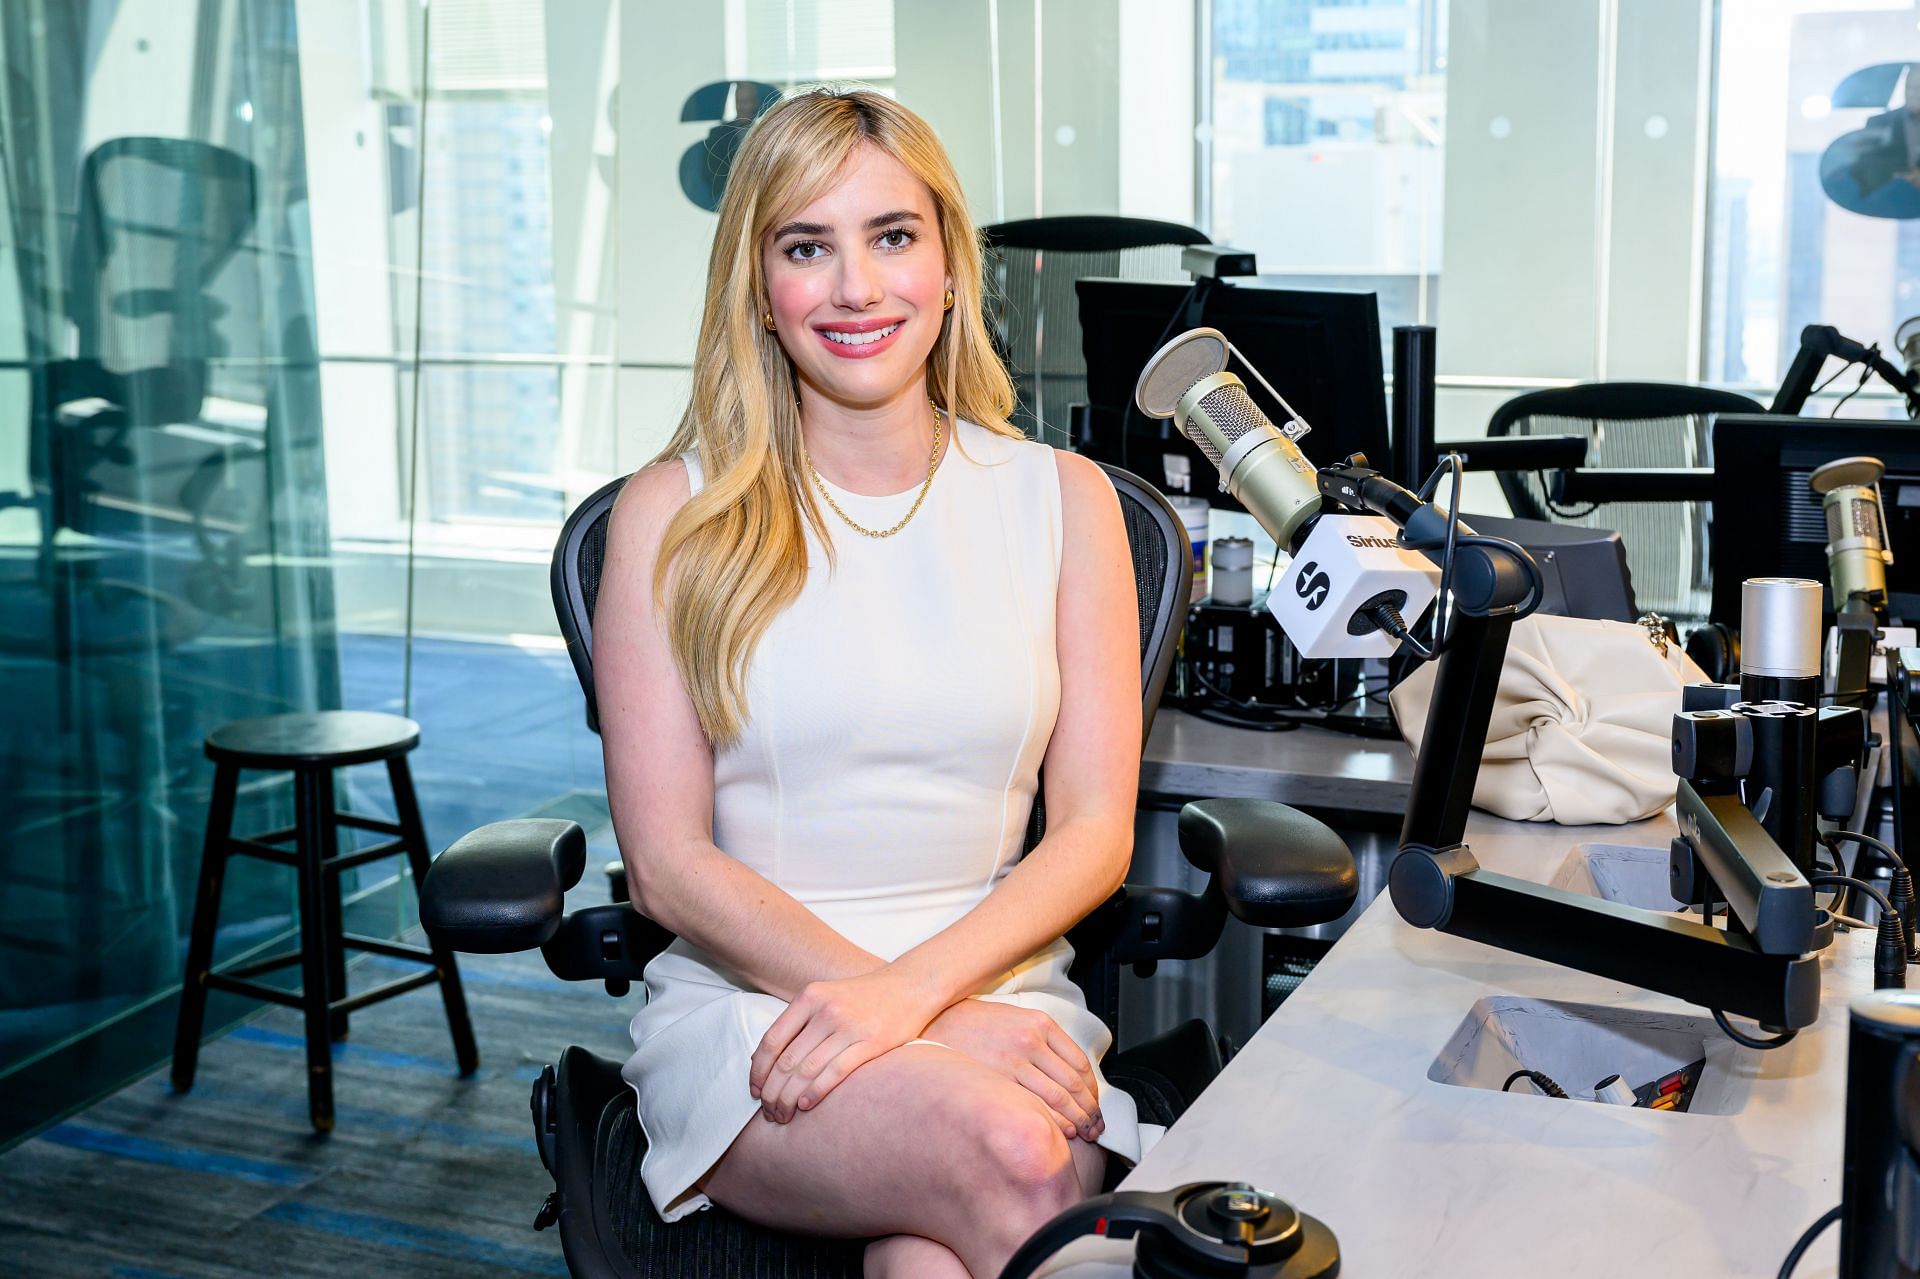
{"x":1715,"y":649}
{"x":1202,"y":1230}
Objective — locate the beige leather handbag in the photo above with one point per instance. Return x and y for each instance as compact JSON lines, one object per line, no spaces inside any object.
{"x":1582,"y":727}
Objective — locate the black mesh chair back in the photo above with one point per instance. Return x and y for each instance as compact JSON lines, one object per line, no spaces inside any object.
{"x":1031,"y":267}
{"x":1630,"y":424}
{"x":1162,"y":571}
{"x":158,"y":218}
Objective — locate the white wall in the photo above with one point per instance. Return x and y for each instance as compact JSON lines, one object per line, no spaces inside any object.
{"x":1576,"y":164}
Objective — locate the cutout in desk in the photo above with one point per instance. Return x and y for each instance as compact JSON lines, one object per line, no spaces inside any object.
{"x":1619,"y":873}
{"x":1579,"y":1045}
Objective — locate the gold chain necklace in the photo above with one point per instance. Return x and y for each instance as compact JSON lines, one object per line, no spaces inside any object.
{"x":933,"y":463}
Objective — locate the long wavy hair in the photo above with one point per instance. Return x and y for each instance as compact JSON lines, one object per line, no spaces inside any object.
{"x":735,"y":555}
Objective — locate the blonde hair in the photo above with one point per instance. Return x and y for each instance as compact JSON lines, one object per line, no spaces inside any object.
{"x":737,"y":550}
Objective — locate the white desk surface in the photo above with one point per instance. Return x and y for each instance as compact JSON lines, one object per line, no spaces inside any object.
{"x":1330,"y":1107}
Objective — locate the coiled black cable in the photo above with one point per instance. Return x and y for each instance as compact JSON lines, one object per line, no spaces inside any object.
{"x":1540,"y":1081}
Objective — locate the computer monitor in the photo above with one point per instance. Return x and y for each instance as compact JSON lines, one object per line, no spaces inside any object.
{"x":1767,"y":522}
{"x":1320,"y":350}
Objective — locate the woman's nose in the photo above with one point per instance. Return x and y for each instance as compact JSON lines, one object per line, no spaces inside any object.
{"x":859,"y":284}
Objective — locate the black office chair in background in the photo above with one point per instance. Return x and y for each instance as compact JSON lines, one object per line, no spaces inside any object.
{"x":500,"y":890}
{"x":157,"y":221}
{"x":1629,"y":424}
{"x":1031,"y":267}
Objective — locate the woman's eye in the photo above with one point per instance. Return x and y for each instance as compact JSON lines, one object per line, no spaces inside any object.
{"x":898,"y":238}
{"x":806,"y":250}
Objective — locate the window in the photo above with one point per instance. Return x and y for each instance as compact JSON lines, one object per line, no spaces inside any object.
{"x":1812,"y":138}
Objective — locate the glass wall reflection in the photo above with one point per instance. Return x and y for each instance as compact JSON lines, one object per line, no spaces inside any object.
{"x":165,"y":521}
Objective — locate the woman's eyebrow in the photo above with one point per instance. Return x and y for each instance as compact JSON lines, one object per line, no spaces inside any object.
{"x":873,"y":223}
{"x":803,"y":228}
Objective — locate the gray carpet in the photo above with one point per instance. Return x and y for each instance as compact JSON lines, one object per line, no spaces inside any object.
{"x":425,"y":1174}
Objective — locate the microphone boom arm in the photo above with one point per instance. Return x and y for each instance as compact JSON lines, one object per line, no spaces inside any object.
{"x":1435,"y":881}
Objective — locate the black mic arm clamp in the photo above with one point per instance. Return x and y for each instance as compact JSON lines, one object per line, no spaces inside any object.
{"x":1491,"y":576}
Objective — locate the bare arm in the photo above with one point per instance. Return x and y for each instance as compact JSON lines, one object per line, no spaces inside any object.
{"x":660,"y":777}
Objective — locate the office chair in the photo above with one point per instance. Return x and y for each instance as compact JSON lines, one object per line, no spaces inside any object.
{"x":500,"y":890}
{"x":1031,"y":267}
{"x":1629,"y":424}
{"x":157,"y":220}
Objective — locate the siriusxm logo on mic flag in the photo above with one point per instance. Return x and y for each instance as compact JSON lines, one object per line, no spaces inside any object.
{"x":1312,"y":585}
{"x":1347,"y":562}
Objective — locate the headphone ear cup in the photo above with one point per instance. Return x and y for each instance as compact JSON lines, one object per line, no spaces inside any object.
{"x":1715,"y":649}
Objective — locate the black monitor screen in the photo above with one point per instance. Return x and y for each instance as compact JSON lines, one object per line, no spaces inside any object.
{"x":1767,"y":521}
{"x":1320,"y":350}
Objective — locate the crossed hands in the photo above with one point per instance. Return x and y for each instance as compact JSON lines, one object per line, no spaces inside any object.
{"x":834,"y":1027}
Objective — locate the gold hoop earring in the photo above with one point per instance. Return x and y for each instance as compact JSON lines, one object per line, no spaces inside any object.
{"x":767,"y":320}
{"x":948,"y":304}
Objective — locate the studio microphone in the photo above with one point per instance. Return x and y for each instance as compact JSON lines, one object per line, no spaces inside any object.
{"x":1906,"y":340}
{"x":1353,"y":583}
{"x":1857,"y":552}
{"x":1258,"y":463}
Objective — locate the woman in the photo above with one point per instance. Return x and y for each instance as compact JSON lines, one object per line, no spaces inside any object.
{"x":845,"y":617}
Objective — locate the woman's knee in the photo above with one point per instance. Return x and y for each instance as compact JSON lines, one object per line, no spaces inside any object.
{"x":1023,"y":1154}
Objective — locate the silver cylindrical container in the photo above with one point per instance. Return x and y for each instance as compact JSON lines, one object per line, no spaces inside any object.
{"x":1233,"y":570}
{"x":1780,"y":639}
{"x":1780,"y":626}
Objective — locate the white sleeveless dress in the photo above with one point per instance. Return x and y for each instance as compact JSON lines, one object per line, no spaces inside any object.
{"x":897,"y":716}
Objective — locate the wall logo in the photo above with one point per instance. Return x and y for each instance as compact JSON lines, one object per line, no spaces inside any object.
{"x":1312,"y":585}
{"x":735,"y":104}
{"x":1873,"y":170}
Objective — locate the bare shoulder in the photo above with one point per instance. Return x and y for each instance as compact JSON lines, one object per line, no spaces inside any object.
{"x":1088,"y":502}
{"x":1089,"y":507}
{"x":649,"y":500}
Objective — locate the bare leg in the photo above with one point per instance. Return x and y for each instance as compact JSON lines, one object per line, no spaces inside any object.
{"x":911,"y":1257}
{"x":922,"y":1141}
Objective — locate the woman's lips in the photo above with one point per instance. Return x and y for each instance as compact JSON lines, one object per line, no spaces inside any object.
{"x":865,"y":349}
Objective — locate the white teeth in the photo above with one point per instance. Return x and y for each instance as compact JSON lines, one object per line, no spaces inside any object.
{"x":858,"y":339}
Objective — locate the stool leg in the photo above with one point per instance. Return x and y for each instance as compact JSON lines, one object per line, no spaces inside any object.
{"x":420,"y":857}
{"x":206,"y":919}
{"x":327,"y":832}
{"x":312,"y":793}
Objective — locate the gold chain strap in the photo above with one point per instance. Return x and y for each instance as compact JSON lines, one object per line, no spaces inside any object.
{"x":933,"y":463}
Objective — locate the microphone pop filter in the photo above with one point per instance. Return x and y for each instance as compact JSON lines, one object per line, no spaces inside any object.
{"x":1847,"y":472}
{"x":1175,"y":367}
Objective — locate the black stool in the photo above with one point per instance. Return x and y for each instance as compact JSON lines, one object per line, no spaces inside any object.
{"x":312,"y":746}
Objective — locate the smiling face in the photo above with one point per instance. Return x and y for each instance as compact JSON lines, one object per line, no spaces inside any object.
{"x":856,"y":281}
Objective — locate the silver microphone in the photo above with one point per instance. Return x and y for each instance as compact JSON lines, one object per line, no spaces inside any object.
{"x":1906,"y":340}
{"x":1258,"y":463}
{"x":1857,"y":552}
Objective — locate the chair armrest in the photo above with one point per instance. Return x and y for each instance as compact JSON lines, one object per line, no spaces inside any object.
{"x":612,"y":943}
{"x":1276,"y":866}
{"x":502,"y":888}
